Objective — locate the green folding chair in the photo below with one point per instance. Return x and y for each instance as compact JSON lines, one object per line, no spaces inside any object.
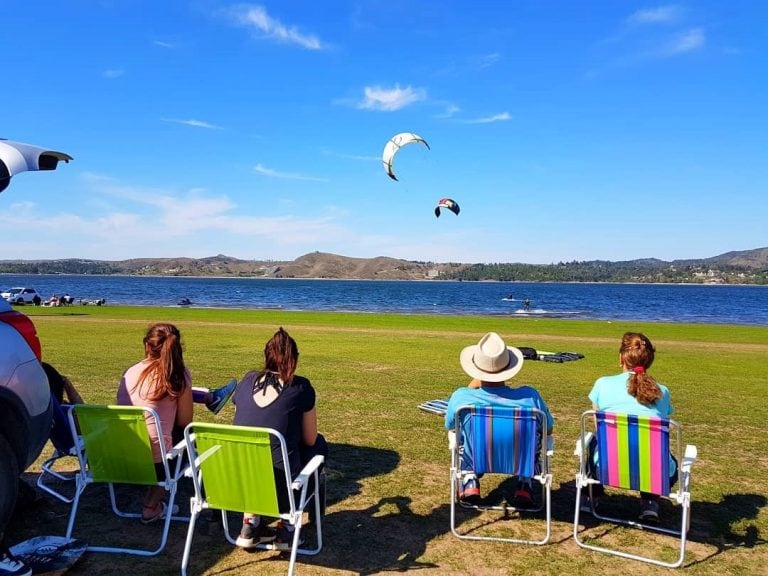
{"x":114,"y":447}
{"x":504,"y":440}
{"x":231,"y":468}
{"x":634,"y":454}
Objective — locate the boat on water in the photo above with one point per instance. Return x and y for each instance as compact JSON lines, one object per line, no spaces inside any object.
{"x":184,"y":302}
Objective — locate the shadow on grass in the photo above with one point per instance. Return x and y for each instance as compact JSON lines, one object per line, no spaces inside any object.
{"x":725,"y":525}
{"x":347,"y":465}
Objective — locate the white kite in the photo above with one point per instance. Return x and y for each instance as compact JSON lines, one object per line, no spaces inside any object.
{"x":16,"y":157}
{"x":394,"y":144}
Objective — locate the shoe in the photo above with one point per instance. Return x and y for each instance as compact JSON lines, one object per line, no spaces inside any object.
{"x":160,"y":513}
{"x":251,"y":535}
{"x":649,"y":510}
{"x":522,"y":497}
{"x":284,"y":538}
{"x":221,"y":396}
{"x":469,"y":487}
{"x":9,"y":566}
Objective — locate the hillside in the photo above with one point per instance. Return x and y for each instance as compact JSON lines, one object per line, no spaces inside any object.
{"x":743,"y":267}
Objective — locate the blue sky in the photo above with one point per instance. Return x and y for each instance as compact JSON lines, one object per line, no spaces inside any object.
{"x":565,"y":130}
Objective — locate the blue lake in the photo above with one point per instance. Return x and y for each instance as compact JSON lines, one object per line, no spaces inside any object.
{"x":640,"y":302}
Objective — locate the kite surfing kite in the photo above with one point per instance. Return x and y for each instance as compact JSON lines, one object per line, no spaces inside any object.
{"x":16,"y":157}
{"x":394,"y":144}
{"x":448,"y":204}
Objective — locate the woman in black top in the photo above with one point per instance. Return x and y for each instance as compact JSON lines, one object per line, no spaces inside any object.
{"x":277,"y":398}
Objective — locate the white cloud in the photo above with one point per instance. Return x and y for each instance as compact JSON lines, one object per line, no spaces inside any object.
{"x":264,"y":171}
{"x":163,"y":44}
{"x":192,"y":122}
{"x":501,"y":117}
{"x":360,"y":157}
{"x":390,"y":99}
{"x":689,"y":41}
{"x":256,"y":18}
{"x":449,"y":111}
{"x":489,"y":59}
{"x":659,"y":15}
{"x":112,"y":73}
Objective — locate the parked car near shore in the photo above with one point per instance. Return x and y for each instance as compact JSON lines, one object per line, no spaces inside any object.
{"x":21,"y":296}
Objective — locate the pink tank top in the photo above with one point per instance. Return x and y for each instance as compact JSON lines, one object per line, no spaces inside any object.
{"x":129,"y":393}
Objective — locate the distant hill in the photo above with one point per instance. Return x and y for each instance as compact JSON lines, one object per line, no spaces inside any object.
{"x":744,"y":267}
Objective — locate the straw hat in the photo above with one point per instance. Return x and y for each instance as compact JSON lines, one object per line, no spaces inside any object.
{"x":491,"y":360}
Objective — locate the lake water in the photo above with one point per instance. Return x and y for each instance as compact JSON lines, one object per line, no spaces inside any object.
{"x":641,"y":302}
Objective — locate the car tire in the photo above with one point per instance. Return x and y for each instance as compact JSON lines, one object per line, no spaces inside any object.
{"x":9,"y":482}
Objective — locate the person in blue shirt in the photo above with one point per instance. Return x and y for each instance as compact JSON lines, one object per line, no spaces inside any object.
{"x":490,"y":363}
{"x":633,"y":391}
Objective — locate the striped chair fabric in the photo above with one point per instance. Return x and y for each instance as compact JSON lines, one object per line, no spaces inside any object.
{"x":504,"y":440}
{"x":633,"y":452}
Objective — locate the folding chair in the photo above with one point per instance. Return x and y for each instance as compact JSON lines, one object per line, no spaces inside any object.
{"x":503,"y":440}
{"x":50,"y":478}
{"x":231,"y":468}
{"x":633,"y":454}
{"x":114,"y":448}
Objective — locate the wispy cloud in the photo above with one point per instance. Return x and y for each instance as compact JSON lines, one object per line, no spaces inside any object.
{"x":360,"y":157}
{"x":256,"y":18}
{"x":163,"y":44}
{"x":659,"y":15}
{"x":449,"y":111}
{"x":264,"y":171}
{"x":192,"y":122}
{"x":502,"y":117}
{"x":390,"y":99}
{"x":689,"y":41}
{"x":489,"y":59}
{"x":112,"y":73}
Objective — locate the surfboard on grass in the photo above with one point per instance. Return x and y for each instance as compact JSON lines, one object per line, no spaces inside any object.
{"x":49,"y":555}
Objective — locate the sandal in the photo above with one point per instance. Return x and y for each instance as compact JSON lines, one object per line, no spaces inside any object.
{"x":161,"y":509}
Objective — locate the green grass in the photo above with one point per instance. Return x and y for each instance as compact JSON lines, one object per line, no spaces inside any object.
{"x":388,"y":468}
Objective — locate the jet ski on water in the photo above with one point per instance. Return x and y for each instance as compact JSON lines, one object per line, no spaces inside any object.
{"x":184,"y":302}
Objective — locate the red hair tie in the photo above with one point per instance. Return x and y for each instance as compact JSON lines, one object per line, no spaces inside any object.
{"x":638,"y":369}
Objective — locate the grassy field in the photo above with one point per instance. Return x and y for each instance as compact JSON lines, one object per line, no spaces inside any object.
{"x":388,"y":469}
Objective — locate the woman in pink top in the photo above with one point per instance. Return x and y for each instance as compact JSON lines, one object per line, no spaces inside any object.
{"x":161,"y":382}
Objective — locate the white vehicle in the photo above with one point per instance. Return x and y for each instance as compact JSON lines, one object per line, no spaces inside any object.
{"x":21,"y":296}
{"x":25,"y":397}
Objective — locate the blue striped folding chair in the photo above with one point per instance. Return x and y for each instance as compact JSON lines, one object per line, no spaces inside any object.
{"x":504,"y":440}
{"x":633,"y":453}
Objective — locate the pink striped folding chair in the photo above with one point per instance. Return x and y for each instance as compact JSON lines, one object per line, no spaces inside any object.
{"x":633,"y":453}
{"x":503,"y":440}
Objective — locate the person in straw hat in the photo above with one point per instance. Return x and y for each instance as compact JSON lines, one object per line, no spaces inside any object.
{"x":490,"y":363}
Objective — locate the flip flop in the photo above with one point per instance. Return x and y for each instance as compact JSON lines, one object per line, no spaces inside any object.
{"x":162,"y":510}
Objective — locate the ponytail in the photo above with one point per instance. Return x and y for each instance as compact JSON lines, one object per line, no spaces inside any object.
{"x":637,"y":354}
{"x":165,"y":374}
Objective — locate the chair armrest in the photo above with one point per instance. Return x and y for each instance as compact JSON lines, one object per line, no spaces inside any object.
{"x":451,"y":440}
{"x":307,"y":471}
{"x":587,"y":439}
{"x":691,"y":453}
{"x":176,"y":451}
